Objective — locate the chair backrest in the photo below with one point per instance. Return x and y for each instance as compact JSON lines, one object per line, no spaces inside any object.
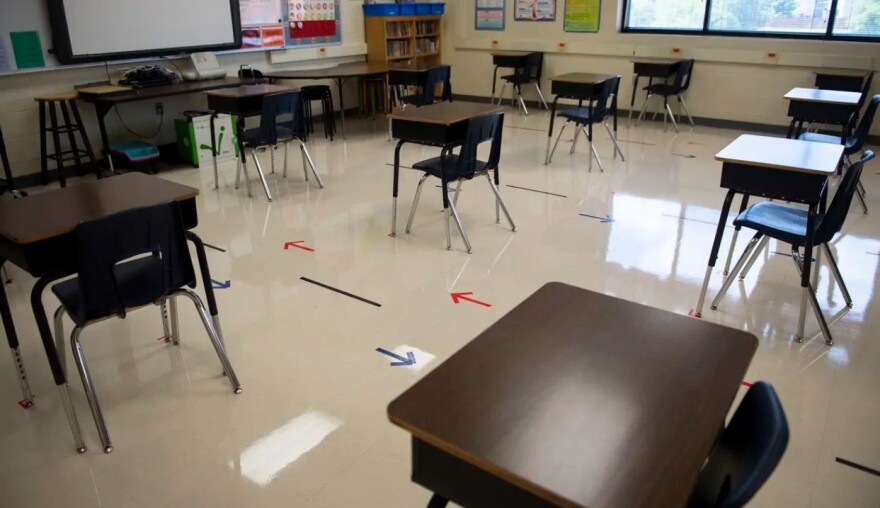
{"x":438,"y":75}
{"x":282,"y":109}
{"x":866,"y":89}
{"x":156,"y":232}
{"x":533,"y":67}
{"x":832,"y":221}
{"x":747,"y":453}
{"x":683,"y":76}
{"x":857,"y":141}
{"x":601,"y":105}
{"x":480,"y":129}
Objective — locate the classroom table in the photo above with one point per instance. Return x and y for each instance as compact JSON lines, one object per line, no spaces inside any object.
{"x":242,"y":102}
{"x":822,"y":106}
{"x":580,"y":86}
{"x":107,"y":101}
{"x":38,"y":235}
{"x":646,"y":67}
{"x":443,"y":124}
{"x":776,"y":168}
{"x":507,"y":60}
{"x":845,"y":80}
{"x":575,"y":398}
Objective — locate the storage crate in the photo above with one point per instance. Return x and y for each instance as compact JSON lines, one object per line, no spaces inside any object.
{"x":437,"y":7}
{"x":381,"y":10}
{"x":422,"y":9}
{"x":407,"y":9}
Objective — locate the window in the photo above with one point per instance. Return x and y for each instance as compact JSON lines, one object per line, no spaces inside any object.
{"x":846,"y":19}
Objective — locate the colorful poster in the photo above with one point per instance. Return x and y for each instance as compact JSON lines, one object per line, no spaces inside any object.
{"x":312,"y":22}
{"x":251,"y":38}
{"x":261,"y":12}
{"x":582,"y":16}
{"x":535,"y":10}
{"x":489,"y":15}
{"x":27,"y":49}
{"x":273,"y":36}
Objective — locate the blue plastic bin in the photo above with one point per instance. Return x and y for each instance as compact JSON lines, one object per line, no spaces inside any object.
{"x":381,"y":10}
{"x":407,"y":9}
{"x":423,"y":9}
{"x":437,"y":7}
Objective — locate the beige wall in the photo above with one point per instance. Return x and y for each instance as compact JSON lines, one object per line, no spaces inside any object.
{"x":18,"y":111}
{"x":734,"y":79}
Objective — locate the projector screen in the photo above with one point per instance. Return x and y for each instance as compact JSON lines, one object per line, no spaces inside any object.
{"x":95,"y":30}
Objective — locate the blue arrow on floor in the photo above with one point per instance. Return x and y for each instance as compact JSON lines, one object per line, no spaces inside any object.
{"x":605,"y":219}
{"x":409,"y":360}
{"x":216,"y":284}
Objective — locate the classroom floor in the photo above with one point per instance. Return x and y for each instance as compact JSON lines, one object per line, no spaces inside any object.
{"x":310,"y":428}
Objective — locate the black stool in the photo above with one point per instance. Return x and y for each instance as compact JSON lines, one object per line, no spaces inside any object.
{"x":319,"y":93}
{"x":73,"y":153}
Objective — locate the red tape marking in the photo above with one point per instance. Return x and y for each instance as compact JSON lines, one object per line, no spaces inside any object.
{"x":24,"y":404}
{"x":693,"y":314}
{"x":746,"y":383}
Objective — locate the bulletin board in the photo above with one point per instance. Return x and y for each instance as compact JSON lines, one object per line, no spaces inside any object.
{"x":269,"y":24}
{"x":489,"y":14}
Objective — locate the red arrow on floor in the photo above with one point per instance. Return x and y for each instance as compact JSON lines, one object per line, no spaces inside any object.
{"x":288,"y":245}
{"x":457,"y":297}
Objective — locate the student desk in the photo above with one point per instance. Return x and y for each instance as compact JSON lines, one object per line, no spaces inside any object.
{"x":823,"y":106}
{"x":651,"y":68}
{"x":845,"y":80}
{"x":580,"y":86}
{"x":506,"y":60}
{"x":105,"y":102}
{"x":37,"y":234}
{"x":242,"y":101}
{"x":575,"y":398}
{"x":443,"y":124}
{"x":775,"y":168}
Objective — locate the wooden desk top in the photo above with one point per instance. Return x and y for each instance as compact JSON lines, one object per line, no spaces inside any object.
{"x":584,"y":399}
{"x":445,"y":113}
{"x":249,"y":91}
{"x":585,"y":78}
{"x":823,"y":96}
{"x":658,"y":61}
{"x":59,"y":211}
{"x":780,"y":153}
{"x":348,"y":70}
{"x":186,"y":87}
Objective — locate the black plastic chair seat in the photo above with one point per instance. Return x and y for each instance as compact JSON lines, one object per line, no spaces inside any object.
{"x":849,"y":148}
{"x":519,"y":79}
{"x":581,"y":116}
{"x":138,"y":283}
{"x":253,"y":137}
{"x":781,"y":222}
{"x":662,"y":89}
{"x":433,"y":167}
{"x":417,"y":100}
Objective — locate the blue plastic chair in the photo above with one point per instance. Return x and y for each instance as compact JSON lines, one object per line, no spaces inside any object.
{"x":129,"y":260}
{"x":530,"y":73}
{"x":746,"y":454}
{"x":281,"y":122}
{"x":852,"y":144}
{"x":450,"y":167}
{"x":679,"y":85}
{"x":789,"y":224}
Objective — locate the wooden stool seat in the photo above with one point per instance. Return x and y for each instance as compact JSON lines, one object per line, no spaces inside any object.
{"x":67,"y":103}
{"x":67,"y":96}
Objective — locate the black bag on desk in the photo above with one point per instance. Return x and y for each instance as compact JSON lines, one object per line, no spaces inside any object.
{"x":149,"y":75}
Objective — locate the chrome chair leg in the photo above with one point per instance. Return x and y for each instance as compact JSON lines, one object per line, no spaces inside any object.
{"x":817,"y":264}
{"x":501,"y":94}
{"x":550,"y":155}
{"x":213,"y":335}
{"x":644,"y":108}
{"x":92,"y":397}
{"x":541,"y":95}
{"x":861,"y":196}
{"x":617,"y":149}
{"x":458,"y":223}
{"x":730,"y":252}
{"x":802,"y":313}
{"x":499,"y":201}
{"x":60,"y":346}
{"x":755,"y":255}
{"x":175,"y":323}
{"x":739,"y":264}
{"x":835,"y":270}
{"x":688,"y":113}
{"x":284,"y":171}
{"x":446,"y":214}
{"x":242,"y":164}
{"x":237,"y":171}
{"x":412,"y":211}
{"x":272,"y":157}
{"x":671,"y":117}
{"x":457,"y":191}
{"x":305,"y":164}
{"x":308,"y":157}
{"x":596,"y":154}
{"x":261,"y":174}
{"x":166,"y":326}
{"x":70,"y":413}
{"x":574,"y":141}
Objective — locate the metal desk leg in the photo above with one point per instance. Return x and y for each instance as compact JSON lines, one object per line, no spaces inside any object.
{"x":494,"y":79}
{"x":27,"y":397}
{"x":206,"y":282}
{"x":101,"y":111}
{"x":713,"y":256}
{"x":394,"y":187}
{"x":632,"y":100}
{"x":807,"y":288}
{"x":339,"y":83}
{"x":742,"y":208}
{"x":550,"y":132}
{"x":52,"y":355}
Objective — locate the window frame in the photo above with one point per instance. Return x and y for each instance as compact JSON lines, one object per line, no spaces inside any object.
{"x":829,"y":34}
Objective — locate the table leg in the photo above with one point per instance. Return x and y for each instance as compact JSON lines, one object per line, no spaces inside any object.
{"x":214,"y":150}
{"x":27,"y":397}
{"x":632,"y":99}
{"x":339,"y":83}
{"x":713,"y":256}
{"x":206,"y":281}
{"x":494,"y":79}
{"x":395,"y":188}
{"x":791,"y":125}
{"x":438,"y":501}
{"x":550,"y":132}
{"x":807,"y":287}
{"x":742,"y":208}
{"x":101,"y":111}
{"x":52,"y":355}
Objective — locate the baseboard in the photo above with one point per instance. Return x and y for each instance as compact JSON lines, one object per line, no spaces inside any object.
{"x":699,"y":120}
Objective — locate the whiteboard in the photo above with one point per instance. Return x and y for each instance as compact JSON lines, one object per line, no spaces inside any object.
{"x":89,"y":30}
{"x":261,"y":12}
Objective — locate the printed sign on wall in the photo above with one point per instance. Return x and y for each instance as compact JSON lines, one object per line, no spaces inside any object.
{"x":489,"y":15}
{"x":535,"y":10}
{"x":582,"y":16}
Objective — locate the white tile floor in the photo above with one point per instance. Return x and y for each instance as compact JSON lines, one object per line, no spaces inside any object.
{"x":310,"y":428}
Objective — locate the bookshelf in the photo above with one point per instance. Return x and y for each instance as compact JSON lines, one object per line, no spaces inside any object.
{"x":405,"y":39}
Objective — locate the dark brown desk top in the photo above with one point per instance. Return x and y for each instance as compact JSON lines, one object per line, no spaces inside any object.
{"x":186,"y":87}
{"x":249,"y":91}
{"x":510,"y":53}
{"x":655,"y":60}
{"x":846,"y":73}
{"x":584,"y":399}
{"x":445,"y":113}
{"x":59,"y":211}
{"x":348,"y":70}
{"x":585,"y":78}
